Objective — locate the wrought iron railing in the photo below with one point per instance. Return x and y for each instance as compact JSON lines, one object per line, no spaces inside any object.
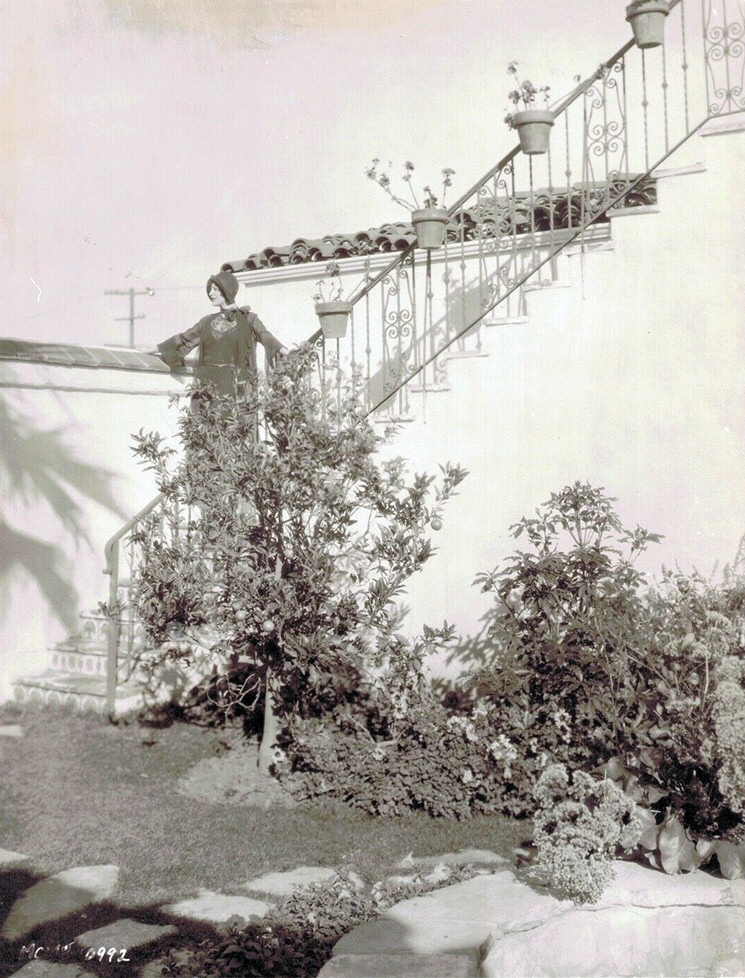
{"x":123,"y":629}
{"x":609,"y":135}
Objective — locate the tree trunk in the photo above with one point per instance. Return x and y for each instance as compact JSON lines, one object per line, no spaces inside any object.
{"x":270,"y":731}
{"x":271,"y":724}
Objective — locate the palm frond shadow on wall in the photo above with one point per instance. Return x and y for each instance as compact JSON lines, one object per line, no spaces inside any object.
{"x":38,"y":467}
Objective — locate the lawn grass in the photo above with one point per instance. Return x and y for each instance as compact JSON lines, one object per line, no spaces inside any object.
{"x":80,"y":791}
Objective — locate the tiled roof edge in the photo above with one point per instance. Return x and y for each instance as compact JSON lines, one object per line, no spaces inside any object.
{"x":549,"y":209}
{"x":71,"y":355}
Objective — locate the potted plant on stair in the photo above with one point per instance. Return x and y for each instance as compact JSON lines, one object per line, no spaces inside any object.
{"x":533,"y":125}
{"x":647,"y":19}
{"x":332,"y":311}
{"x":429,"y":218}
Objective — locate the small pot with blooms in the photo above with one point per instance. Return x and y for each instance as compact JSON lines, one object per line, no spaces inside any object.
{"x":429,"y":217}
{"x":647,"y":19}
{"x":533,"y":125}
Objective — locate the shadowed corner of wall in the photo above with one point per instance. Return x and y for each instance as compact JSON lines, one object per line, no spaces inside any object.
{"x":37,"y":467}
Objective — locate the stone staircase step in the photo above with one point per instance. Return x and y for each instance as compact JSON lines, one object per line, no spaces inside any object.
{"x":86,"y":662}
{"x":75,"y":692}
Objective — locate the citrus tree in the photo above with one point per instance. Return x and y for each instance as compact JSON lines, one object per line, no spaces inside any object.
{"x":295,"y":545}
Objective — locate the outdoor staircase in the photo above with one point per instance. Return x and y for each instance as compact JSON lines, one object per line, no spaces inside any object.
{"x":75,"y":679}
{"x":533,"y":248}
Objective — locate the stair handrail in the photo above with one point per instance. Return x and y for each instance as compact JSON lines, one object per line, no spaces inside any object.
{"x":111,"y":552}
{"x":557,"y":109}
{"x":113,"y":543}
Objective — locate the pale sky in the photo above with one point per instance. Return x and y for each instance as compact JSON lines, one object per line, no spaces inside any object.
{"x":145,"y":142}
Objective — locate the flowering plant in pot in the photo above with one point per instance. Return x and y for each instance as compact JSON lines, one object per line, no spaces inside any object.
{"x":331,"y":308}
{"x":533,"y":125}
{"x":429,"y":216}
{"x":647,"y":19}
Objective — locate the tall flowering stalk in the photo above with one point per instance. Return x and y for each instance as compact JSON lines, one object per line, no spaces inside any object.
{"x":379,"y":175}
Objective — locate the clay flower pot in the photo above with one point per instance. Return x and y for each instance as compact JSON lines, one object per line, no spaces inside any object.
{"x":429,"y":225}
{"x":647,"y":19}
{"x":333,"y":317}
{"x":533,"y":129}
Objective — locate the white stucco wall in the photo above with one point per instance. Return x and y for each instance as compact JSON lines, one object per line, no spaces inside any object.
{"x":93,"y":413}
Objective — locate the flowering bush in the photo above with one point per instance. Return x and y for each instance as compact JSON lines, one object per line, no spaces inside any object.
{"x":590,"y":663}
{"x":579,"y":825}
{"x":565,"y":622}
{"x":696,"y":630}
{"x":729,"y":731}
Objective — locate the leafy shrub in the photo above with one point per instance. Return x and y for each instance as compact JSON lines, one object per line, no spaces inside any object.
{"x":290,"y":545}
{"x":589,"y":663}
{"x":567,"y":622}
{"x":695,"y":629}
{"x":297,"y":937}
{"x":579,"y":825}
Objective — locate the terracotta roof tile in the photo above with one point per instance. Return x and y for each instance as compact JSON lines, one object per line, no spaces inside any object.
{"x":543,"y":210}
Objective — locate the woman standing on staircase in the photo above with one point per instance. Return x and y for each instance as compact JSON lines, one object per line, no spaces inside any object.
{"x":226,"y":339}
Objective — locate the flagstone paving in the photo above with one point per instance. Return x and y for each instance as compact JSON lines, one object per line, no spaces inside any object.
{"x":42,"y":968}
{"x":11,"y":730}
{"x":12,"y":860}
{"x":283,"y":884}
{"x":495,"y":924}
{"x":124,"y":934}
{"x":217,"y":908}
{"x":58,"y":896}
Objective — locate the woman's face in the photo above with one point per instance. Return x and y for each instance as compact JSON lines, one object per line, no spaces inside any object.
{"x":216,"y":296}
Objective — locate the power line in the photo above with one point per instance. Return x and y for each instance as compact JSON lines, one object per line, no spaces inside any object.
{"x":131,"y":317}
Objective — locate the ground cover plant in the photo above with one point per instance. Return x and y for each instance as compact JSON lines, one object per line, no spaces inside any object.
{"x":298,"y":937}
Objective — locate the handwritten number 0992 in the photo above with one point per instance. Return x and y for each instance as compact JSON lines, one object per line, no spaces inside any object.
{"x":109,"y":953}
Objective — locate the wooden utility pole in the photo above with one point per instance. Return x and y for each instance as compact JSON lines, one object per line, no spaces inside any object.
{"x":131,"y":317}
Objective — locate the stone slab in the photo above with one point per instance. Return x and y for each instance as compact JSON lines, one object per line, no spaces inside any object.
{"x":646,"y":923}
{"x":11,"y":860}
{"x":217,"y":908}
{"x":453,"y":920}
{"x":283,"y":884}
{"x":51,"y":969}
{"x":400,"y":966}
{"x":57,"y":896}
{"x":639,"y":886}
{"x":11,"y":730}
{"x":671,"y":942}
{"x":124,"y":934}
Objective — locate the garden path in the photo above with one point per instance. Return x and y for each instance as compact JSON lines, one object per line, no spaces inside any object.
{"x":53,"y":898}
{"x":495,"y":924}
